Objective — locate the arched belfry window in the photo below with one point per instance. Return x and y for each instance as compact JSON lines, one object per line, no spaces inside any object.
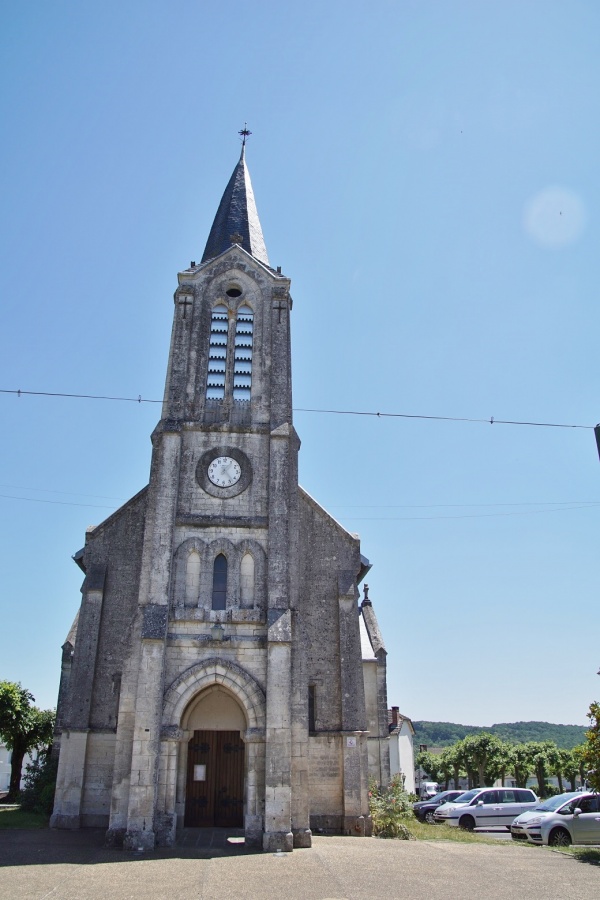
{"x":217,"y":353}
{"x":219,"y":593}
{"x":242,"y":365}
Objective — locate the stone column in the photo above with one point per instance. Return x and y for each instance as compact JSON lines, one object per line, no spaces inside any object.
{"x":255,"y":787}
{"x":300,"y":761}
{"x":153,"y":612}
{"x":278,"y":786}
{"x":71,"y":763}
{"x":69,"y":780}
{"x":165,"y":822}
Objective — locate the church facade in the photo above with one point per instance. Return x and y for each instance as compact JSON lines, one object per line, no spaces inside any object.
{"x":214,"y":673}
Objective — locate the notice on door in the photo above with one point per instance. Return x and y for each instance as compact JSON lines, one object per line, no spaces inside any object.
{"x":200,"y":772}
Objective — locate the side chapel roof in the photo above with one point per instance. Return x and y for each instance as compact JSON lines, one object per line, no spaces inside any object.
{"x":236,"y":221}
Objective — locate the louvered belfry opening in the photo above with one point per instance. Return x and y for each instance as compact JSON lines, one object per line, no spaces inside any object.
{"x":217,"y":353}
{"x":242,"y":365}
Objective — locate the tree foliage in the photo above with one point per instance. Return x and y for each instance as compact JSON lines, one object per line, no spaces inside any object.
{"x":483,"y":755}
{"x":591,"y":748}
{"x":40,"y":784}
{"x":23,"y":728}
{"x":451,"y":763}
{"x":485,"y":759}
{"x":544,"y":760}
{"x":430,"y":763}
{"x":522,"y":764}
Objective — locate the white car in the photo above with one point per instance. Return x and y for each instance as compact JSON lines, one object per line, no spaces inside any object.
{"x":486,"y":807}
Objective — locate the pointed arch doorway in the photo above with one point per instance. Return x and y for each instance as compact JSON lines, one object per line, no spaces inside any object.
{"x":215,"y":770}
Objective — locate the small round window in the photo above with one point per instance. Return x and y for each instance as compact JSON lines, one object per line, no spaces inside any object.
{"x":233,"y":292}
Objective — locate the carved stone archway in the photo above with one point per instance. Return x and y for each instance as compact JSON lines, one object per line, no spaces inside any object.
{"x":184,"y":689}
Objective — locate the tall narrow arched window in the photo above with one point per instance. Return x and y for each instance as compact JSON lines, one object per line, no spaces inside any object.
{"x":217,"y":353}
{"x":219,"y":593}
{"x":192,"y":579}
{"x":242,"y":365}
{"x":247,"y":580}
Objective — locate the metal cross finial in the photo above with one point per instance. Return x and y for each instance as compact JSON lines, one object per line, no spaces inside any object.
{"x":244,"y":133}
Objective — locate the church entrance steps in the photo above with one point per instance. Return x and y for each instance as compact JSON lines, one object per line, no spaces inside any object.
{"x":215,"y":840}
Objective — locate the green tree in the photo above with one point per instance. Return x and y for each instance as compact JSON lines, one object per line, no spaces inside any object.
{"x":522,"y":765}
{"x":452,"y":762}
{"x":543,"y":753}
{"x":579,"y":758}
{"x":570,"y":767}
{"x":23,"y":727}
{"x":483,"y":754}
{"x":430,"y":763}
{"x":561,"y":762}
{"x":591,"y":748}
{"x":446,"y":767}
{"x":505,"y":760}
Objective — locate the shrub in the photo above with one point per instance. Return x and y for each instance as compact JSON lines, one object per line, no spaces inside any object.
{"x":40,"y":783}
{"x":389,"y":806}
{"x":550,"y":790}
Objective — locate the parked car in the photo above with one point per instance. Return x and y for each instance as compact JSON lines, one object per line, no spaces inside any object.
{"x":576,"y":820}
{"x":534,"y":816}
{"x":486,"y":807}
{"x":424,"y":809}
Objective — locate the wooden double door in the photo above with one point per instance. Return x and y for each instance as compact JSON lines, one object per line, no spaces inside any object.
{"x":214,"y":796}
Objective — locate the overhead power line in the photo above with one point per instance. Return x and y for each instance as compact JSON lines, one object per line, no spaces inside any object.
{"x":337,"y":412}
{"x":387,"y":507}
{"x":521,"y":512}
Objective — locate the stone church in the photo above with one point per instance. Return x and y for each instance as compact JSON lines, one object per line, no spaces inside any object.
{"x":221,"y":670}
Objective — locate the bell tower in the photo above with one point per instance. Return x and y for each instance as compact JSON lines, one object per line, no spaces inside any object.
{"x":221,"y":534}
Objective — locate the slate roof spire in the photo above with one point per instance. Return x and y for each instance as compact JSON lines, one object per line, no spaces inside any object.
{"x":236,"y":221}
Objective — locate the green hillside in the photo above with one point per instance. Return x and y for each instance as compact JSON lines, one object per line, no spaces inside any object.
{"x":443,"y":734}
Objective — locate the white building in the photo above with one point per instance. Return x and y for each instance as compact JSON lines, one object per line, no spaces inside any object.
{"x":402,"y":758}
{"x":5,"y":761}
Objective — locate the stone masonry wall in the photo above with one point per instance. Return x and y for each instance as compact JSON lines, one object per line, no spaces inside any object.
{"x":117,"y":542}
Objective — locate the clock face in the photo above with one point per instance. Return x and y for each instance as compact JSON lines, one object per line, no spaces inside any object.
{"x":224,"y":471}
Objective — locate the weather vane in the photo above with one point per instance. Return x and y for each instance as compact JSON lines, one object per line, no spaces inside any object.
{"x":244,"y":133}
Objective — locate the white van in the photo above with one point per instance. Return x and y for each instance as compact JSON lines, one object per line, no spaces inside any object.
{"x":429,"y":789}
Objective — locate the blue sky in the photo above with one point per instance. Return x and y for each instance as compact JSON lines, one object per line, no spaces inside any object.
{"x":426,"y":174}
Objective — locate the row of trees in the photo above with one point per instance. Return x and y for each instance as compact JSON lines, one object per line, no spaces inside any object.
{"x":23,"y":728}
{"x":484,"y":758}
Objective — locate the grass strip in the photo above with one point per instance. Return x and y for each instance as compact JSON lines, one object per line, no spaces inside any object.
{"x":18,"y":818}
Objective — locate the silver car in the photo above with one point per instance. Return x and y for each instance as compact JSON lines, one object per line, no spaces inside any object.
{"x":534,"y":816}
{"x":486,"y":807}
{"x":575,"y":821}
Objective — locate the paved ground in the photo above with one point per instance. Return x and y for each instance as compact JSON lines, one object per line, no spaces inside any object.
{"x":58,"y":865}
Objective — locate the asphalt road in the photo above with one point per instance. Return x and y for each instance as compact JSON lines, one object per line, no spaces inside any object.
{"x":45,"y":865}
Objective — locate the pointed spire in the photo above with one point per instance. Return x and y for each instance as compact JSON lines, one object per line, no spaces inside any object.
{"x":236,"y":221}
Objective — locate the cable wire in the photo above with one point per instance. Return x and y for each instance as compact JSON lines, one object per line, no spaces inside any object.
{"x":336,"y":412}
